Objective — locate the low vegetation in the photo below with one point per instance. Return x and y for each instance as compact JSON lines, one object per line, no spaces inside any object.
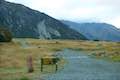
{"x":13,"y":55}
{"x":5,"y":35}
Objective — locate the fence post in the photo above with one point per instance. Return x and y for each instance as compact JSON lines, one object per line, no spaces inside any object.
{"x":30,"y":64}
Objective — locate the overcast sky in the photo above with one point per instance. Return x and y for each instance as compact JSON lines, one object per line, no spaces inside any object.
{"x":78,"y":10}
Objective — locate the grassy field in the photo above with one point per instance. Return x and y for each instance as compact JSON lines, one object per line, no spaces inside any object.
{"x":13,"y":55}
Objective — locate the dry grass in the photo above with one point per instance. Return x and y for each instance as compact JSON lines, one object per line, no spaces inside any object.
{"x":13,"y":55}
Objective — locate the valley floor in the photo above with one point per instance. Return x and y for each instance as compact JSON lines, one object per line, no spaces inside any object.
{"x":13,"y":55}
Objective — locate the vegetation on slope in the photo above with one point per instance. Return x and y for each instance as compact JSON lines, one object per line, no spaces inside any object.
{"x":5,"y":35}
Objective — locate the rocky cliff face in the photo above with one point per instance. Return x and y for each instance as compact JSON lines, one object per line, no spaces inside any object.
{"x":27,"y":23}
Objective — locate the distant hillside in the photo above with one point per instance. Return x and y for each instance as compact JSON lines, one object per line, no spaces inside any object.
{"x":119,"y":29}
{"x":24,"y":22}
{"x":96,"y":31}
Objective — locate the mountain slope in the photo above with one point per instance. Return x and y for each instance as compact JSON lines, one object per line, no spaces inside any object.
{"x":96,"y":31}
{"x":27,"y":23}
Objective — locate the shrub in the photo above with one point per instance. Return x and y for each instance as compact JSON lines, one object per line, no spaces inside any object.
{"x":96,"y":40}
{"x":5,"y":35}
{"x":24,"y":78}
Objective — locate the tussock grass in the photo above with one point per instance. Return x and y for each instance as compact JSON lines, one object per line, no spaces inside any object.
{"x":13,"y":55}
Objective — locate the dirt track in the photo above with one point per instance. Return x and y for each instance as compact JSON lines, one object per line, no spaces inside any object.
{"x":85,"y":68}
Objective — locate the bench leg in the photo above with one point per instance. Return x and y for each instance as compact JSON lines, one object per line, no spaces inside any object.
{"x":56,"y":67}
{"x":41,"y":65}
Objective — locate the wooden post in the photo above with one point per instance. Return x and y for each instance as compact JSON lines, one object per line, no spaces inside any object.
{"x":30,"y":64}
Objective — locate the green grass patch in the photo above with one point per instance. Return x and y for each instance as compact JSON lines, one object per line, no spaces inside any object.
{"x":76,"y":49}
{"x":24,"y":78}
{"x":116,"y":58}
{"x":56,"y":49}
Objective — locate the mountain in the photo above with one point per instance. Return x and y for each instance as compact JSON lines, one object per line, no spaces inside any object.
{"x":119,"y":29}
{"x":96,"y":31}
{"x":24,"y":22}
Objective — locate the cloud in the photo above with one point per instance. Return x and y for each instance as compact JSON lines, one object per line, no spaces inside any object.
{"x":115,"y":21}
{"x":78,"y":10}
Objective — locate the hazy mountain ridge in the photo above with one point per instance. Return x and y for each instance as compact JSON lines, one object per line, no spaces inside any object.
{"x":98,"y":31}
{"x":27,"y":23}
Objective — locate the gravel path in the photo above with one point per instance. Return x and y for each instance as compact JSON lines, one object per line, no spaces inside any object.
{"x":82,"y":67}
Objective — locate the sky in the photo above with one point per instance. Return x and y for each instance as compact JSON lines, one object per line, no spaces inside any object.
{"x":103,"y":11}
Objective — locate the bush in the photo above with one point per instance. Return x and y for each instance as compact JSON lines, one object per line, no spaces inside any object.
{"x":24,"y":78}
{"x":5,"y":35}
{"x":96,"y":40}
